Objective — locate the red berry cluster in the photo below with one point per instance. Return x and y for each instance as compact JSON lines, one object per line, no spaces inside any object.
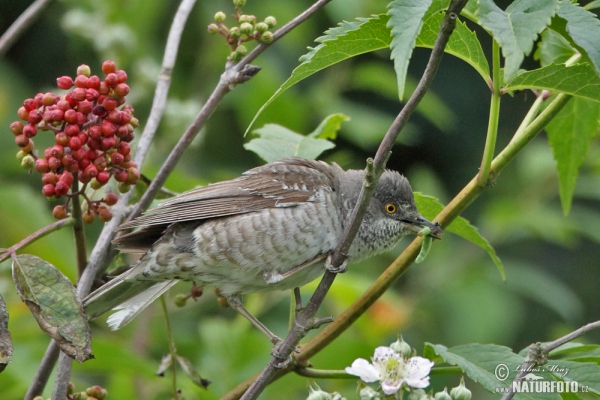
{"x":91,"y":135}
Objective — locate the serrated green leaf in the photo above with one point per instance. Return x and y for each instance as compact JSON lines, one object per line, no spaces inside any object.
{"x":192,"y":372}
{"x":6,"y":347}
{"x":584,"y":28}
{"x":569,"y":135}
{"x":516,"y":29}
{"x":52,"y":299}
{"x":329,"y":127}
{"x":429,"y":207}
{"x":365,"y":35}
{"x":462,"y":44}
{"x":593,"y":5}
{"x":553,"y":48}
{"x":578,"y":80}
{"x":470,"y":10}
{"x":275,"y":142}
{"x":406,"y":20}
{"x":584,"y":373}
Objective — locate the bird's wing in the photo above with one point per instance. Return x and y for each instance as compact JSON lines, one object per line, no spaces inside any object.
{"x":283,"y":183}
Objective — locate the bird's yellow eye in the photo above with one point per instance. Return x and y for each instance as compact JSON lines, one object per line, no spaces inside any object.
{"x":390,"y":208}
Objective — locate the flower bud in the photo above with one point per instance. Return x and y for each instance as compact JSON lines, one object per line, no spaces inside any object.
{"x":235,"y":56}
{"x":418,"y":394}
{"x":461,"y":392}
{"x":400,"y":346}
{"x":234,"y":32}
{"x":220,"y":16}
{"x":239,"y":3}
{"x":443,"y":395}
{"x":246,"y":28}
{"x":261,"y":27}
{"x":270,"y":21}
{"x":212,"y":29}
{"x":368,"y":393}
{"x":242,"y":50}
{"x":266,"y":37}
{"x":315,"y":393}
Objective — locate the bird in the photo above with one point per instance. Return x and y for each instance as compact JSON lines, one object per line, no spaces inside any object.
{"x":272,"y":228}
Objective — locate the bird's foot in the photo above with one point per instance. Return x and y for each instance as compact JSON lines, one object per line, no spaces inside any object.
{"x":336,"y":270}
{"x":282,"y":362}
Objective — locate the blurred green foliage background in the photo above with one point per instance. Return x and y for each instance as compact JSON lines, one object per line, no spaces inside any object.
{"x":455,"y":297}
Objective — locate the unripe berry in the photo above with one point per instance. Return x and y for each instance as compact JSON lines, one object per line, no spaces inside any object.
{"x":123,"y":187}
{"x":111,"y":79}
{"x":48,"y":190}
{"x":28,"y":162}
{"x":108,"y":66}
{"x":16,"y":127}
{"x":63,"y":105}
{"x":28,"y":148}
{"x":88,"y":216}
{"x":270,"y":21}
{"x":180,"y":300}
{"x":111,"y":199}
{"x":23,"y":113}
{"x":442,"y":395}
{"x":461,"y":392}
{"x":133,"y":176}
{"x":64,"y":82}
{"x":105,"y":215}
{"x":246,"y":28}
{"x":212,"y":29}
{"x":21,"y":140}
{"x":61,"y":188}
{"x":266,"y":37}
{"x":242,"y":50}
{"x":29,"y":130}
{"x":84,"y":70}
{"x":41,"y":165}
{"x":49,"y":99}
{"x":239,"y":3}
{"x":235,"y":56}
{"x":235,"y":32}
{"x":220,"y":16}
{"x":95,"y":184}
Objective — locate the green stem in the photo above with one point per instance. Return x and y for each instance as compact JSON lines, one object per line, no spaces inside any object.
{"x":172,"y":349}
{"x":78,"y":231}
{"x":531,"y":114}
{"x":35,"y":236}
{"x":323,"y":373}
{"x":492,"y":133}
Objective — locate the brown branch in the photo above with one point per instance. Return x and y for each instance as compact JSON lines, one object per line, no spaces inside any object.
{"x":21,"y":24}
{"x":78,"y":231}
{"x":305,"y":319}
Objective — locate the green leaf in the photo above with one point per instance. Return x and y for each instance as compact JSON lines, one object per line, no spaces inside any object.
{"x":365,"y":35}
{"x":192,"y":372}
{"x":584,"y":373}
{"x":429,"y":207}
{"x":553,"y":48}
{"x":329,"y":127}
{"x":516,"y":29}
{"x":6,"y":347}
{"x":569,"y":135}
{"x":275,"y":141}
{"x":406,"y":20}
{"x":463,"y":43}
{"x":52,"y":299}
{"x":584,"y":28}
{"x":578,"y":80}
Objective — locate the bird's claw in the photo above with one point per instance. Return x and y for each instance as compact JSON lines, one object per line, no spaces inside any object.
{"x":285,"y":361}
{"x":336,"y":270}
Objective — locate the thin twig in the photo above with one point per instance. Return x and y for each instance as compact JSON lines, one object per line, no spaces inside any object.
{"x":305,"y":318}
{"x":78,"y":231}
{"x":44,"y":371}
{"x":35,"y":236}
{"x":172,"y":349}
{"x":537,"y":352}
{"x":21,"y":24}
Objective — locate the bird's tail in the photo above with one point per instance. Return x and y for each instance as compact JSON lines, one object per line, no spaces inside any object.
{"x":128,"y":296}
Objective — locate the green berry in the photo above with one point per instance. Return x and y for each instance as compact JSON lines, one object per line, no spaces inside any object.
{"x":443,"y":395}
{"x":235,"y":32}
{"x":212,"y":29}
{"x":123,"y":187}
{"x":239,"y":3}
{"x":242,"y":50}
{"x":261,"y":27}
{"x":180,"y":300}
{"x":235,"y":56}
{"x":246,"y":28}
{"x":461,"y":392}
{"x":245,"y":18}
{"x":220,"y":16}
{"x":84,"y":70}
{"x":266,"y":37}
{"x":270,"y":21}
{"x":28,"y":162}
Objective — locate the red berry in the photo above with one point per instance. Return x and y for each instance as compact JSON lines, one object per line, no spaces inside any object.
{"x":103,"y":177}
{"x":81,"y":81}
{"x":91,"y":171}
{"x":38,"y":99}
{"x":124,"y":148}
{"x":63,"y":105}
{"x":99,"y":111}
{"x":120,"y":175}
{"x":59,"y":212}
{"x":114,"y":116}
{"x":16,"y":127}
{"x":61,"y":188}
{"x":95,"y":132}
{"x":100,"y":163}
{"x":66,"y":178}
{"x":83,"y":178}
{"x":79,"y":154}
{"x":108,"y":143}
{"x":81,"y":118}
{"x":105,"y":215}
{"x":61,"y":139}
{"x":112,"y":79}
{"x":48,"y":99}
{"x":83,"y":138}
{"x":93,"y":144}
{"x":41,"y":165}
{"x":74,"y":143}
{"x":64,"y":82}
{"x":57,"y":115}
{"x":116,"y":158}
{"x":28,"y":148}
{"x":57,"y":151}
{"x":104,"y":89}
{"x":23,"y":113}
{"x":122,"y":89}
{"x":30,"y":104}
{"x":93,"y":82}
{"x":30,"y":130}
{"x":54,"y":163}
{"x":108,"y":128}
{"x":70,"y":116}
{"x":108,"y":66}
{"x":133,"y":176}
{"x":91,"y":94}
{"x":83,"y":163}
{"x":72,"y":166}
{"x":84,"y":107}
{"x":49,"y":178}
{"x":72,"y":129}
{"x":21,"y":140}
{"x":35,"y":116}
{"x":111,"y":199}
{"x":110,"y":104}
{"x":48,"y":190}
{"x":92,"y":154}
{"x":122,"y":75}
{"x":78,"y":94}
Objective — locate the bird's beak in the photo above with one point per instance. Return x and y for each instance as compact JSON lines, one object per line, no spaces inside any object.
{"x":419,"y":223}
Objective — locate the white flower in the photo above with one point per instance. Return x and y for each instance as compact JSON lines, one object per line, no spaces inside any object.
{"x":393,"y":370}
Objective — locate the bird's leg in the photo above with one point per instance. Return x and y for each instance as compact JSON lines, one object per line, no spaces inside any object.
{"x":298,"y":301}
{"x":235,"y":301}
{"x":339,"y":270}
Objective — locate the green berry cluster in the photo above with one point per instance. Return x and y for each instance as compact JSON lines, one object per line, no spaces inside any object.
{"x":247,"y":28}
{"x":92,"y":393}
{"x":92,"y":130}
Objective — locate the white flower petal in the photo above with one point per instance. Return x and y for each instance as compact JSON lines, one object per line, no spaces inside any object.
{"x":390,"y":387}
{"x":417,"y":372}
{"x":364,"y":370}
{"x":383,"y":353}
